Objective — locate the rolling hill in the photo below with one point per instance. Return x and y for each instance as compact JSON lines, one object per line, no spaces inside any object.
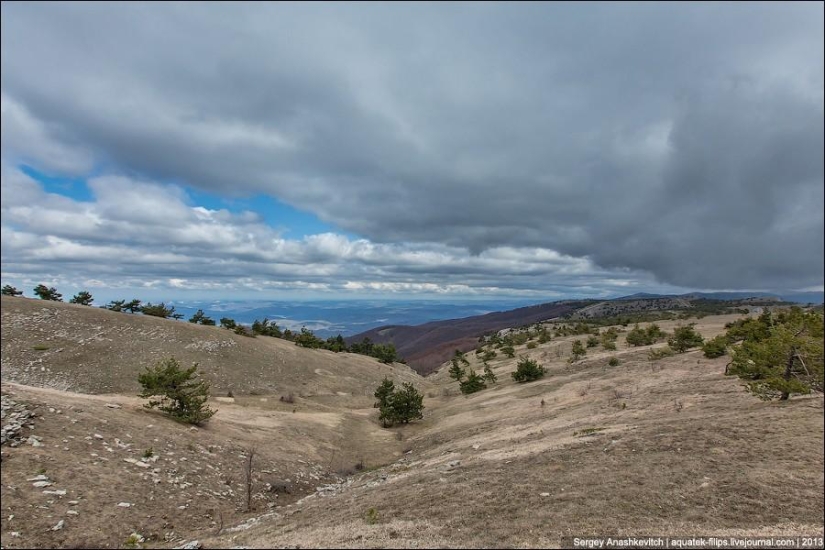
{"x":425,"y":347}
{"x":666,"y":446}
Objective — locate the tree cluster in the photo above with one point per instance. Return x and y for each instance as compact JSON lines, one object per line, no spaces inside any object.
{"x":398,"y":405}
{"x":645,"y":337}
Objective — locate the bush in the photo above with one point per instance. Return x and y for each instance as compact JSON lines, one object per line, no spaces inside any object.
{"x":614,"y":362}
{"x":182,"y":396}
{"x":660,"y":353}
{"x":509,"y":351}
{"x":592,"y":341}
{"x":527,"y":370}
{"x":684,"y":338}
{"x":645,"y":337}
{"x":715,"y":347}
{"x":578,"y":351}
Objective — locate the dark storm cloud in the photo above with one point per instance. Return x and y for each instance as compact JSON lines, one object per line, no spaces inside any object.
{"x":685,"y":140}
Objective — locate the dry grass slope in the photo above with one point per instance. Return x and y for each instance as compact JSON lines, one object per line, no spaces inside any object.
{"x":666,"y":447}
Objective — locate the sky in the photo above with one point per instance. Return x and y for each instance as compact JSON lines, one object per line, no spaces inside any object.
{"x":433,"y":150}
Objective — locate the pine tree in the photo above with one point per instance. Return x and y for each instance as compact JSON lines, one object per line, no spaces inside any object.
{"x":48,"y":293}
{"x":456,"y":372}
{"x":788,"y":361}
{"x":684,"y":338}
{"x":182,"y":395}
{"x":407,"y":404}
{"x":473,"y":383}
{"x":383,"y":393}
{"x":83,"y":298}
{"x":489,"y":375}
{"x":9,"y":290}
{"x":527,"y":370}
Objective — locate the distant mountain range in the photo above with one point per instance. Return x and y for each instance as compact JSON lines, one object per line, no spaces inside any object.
{"x":796,"y":297}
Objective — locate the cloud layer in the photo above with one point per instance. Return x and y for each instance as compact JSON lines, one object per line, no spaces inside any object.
{"x":485,"y":145}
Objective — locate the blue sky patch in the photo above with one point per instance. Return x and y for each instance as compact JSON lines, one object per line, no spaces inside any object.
{"x":74,"y":188}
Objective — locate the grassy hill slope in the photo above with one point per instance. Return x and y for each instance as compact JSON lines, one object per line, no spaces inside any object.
{"x":647,"y":447}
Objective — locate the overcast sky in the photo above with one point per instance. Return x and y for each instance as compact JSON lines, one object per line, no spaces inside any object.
{"x":345,"y":150}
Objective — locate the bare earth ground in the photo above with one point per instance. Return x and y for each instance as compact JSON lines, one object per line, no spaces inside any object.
{"x":666,"y":448}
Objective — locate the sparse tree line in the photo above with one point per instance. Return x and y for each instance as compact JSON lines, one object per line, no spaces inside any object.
{"x":385,"y":353}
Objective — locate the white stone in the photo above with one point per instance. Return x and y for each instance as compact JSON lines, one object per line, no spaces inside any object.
{"x":59,"y":526}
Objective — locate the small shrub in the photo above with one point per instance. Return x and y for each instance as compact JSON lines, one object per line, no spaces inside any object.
{"x":133,"y":540}
{"x":587,"y":431}
{"x":148,"y":453}
{"x":531,"y":345}
{"x":371,"y":516}
{"x":578,"y":351}
{"x":40,"y":347}
{"x":660,"y":353}
{"x":715,"y":347}
{"x":614,"y":362}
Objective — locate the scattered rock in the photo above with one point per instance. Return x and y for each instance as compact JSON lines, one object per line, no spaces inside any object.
{"x":98,"y":436}
{"x":58,"y":492}
{"x":476,"y":446}
{"x":191,"y":545}
{"x":113,"y":406}
{"x":40,"y":477}
{"x":59,"y":526}
{"x":41,"y":484}
{"x":544,"y":494}
{"x":125,"y":504}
